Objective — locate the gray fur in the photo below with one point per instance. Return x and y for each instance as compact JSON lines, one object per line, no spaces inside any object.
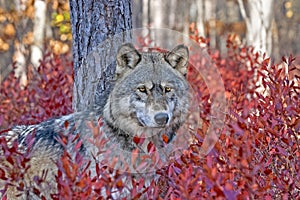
{"x":133,"y":111}
{"x":150,"y":97}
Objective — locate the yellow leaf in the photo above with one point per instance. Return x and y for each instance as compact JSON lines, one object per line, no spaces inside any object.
{"x":9,"y":30}
{"x":59,"y":18}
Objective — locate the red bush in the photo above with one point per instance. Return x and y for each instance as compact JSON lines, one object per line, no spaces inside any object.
{"x":256,"y":157}
{"x":48,"y":93}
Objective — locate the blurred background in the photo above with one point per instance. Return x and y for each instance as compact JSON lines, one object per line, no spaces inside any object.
{"x":29,"y":28}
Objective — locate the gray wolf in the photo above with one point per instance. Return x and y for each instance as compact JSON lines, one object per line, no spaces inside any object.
{"x":150,"y":99}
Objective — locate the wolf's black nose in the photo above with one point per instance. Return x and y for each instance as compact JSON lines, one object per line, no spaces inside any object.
{"x":161,"y":118}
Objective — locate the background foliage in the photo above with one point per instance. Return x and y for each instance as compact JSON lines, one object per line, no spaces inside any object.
{"x":256,"y":157}
{"x":48,"y":93}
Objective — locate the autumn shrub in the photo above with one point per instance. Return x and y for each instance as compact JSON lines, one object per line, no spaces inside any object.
{"x":48,"y":93}
{"x":256,"y":156}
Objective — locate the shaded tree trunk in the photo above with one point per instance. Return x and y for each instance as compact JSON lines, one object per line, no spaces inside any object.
{"x":94,"y":21}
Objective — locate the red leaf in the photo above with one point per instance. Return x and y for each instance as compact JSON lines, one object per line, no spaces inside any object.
{"x":165,"y":138}
{"x":66,"y":124}
{"x":266,"y":62}
{"x":151,"y":147}
{"x":138,"y":140}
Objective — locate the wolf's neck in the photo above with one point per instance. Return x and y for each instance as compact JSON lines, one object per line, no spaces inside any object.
{"x":126,"y":141}
{"x":118,"y":136}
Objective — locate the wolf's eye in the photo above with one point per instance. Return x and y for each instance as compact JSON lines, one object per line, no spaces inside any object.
{"x":142,"y":89}
{"x":167,"y":89}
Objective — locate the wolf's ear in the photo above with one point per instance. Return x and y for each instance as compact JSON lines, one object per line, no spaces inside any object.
{"x":178,"y":58}
{"x":127,"y":57}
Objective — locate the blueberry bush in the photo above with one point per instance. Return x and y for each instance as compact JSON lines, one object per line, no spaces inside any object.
{"x":256,"y":156}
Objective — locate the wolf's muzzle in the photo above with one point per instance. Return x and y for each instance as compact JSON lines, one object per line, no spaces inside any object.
{"x":161,"y":119}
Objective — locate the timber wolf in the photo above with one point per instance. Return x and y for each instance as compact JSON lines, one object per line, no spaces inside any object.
{"x":150,"y":99}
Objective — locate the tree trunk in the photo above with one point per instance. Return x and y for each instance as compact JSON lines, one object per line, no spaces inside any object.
{"x":40,"y":9}
{"x":200,"y":20}
{"x":19,"y":56}
{"x":210,"y":18}
{"x":94,"y":21}
{"x":137,"y":19}
{"x":258,"y":23}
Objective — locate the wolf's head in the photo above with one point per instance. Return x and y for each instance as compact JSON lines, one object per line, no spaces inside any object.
{"x":151,"y":92}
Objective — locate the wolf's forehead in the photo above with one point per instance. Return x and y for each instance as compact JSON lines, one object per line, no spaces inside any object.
{"x":161,"y":74}
{"x":153,"y":64}
{"x":154,"y":73}
{"x":152,"y":57}
{"x":153,"y":69}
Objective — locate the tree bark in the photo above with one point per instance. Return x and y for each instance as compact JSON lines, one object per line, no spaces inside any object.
{"x":38,"y":32}
{"x":210,"y":18}
{"x":200,"y":20}
{"x":258,"y":23}
{"x":94,"y":21}
{"x":19,"y":55}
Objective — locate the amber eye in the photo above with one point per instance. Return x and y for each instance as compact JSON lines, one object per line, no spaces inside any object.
{"x":142,"y":89}
{"x":167,"y":89}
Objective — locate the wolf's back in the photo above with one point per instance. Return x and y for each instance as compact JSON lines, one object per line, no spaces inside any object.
{"x":38,"y":148}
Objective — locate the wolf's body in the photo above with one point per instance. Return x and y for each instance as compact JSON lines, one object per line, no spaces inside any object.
{"x":150,"y":98}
